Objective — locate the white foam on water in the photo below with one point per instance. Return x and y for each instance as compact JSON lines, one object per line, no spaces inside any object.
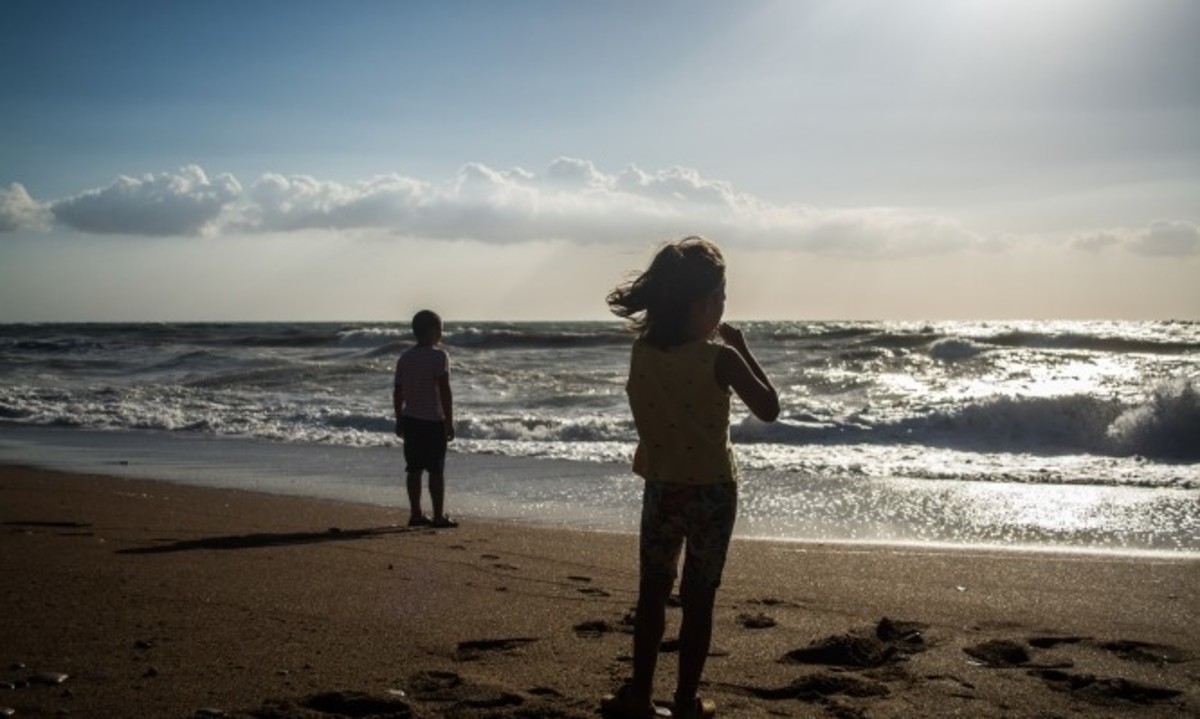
{"x":596,"y":496}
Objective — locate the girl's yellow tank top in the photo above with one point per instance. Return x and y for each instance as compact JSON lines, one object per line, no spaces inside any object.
{"x":681,"y":414}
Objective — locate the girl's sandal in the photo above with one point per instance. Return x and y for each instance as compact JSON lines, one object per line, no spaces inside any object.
{"x":622,"y":706}
{"x":700,"y":709}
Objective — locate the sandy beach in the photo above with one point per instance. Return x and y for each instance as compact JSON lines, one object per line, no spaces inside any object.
{"x":135,"y":598}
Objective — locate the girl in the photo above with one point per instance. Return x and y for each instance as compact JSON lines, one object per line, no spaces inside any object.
{"x":679,"y":382}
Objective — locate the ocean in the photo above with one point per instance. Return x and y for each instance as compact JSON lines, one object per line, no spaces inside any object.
{"x":1061,"y":436}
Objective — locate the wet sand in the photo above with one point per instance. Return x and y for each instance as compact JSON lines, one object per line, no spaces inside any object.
{"x":134,"y":598}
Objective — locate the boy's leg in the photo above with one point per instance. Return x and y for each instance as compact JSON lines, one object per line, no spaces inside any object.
{"x":414,"y":464}
{"x":414,"y":493}
{"x":437,"y":470}
{"x":437,"y":492}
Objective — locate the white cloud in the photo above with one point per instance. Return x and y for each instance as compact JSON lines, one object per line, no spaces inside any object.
{"x":576,"y":202}
{"x":1099,"y":240}
{"x":298,"y":202}
{"x":571,"y":172}
{"x":882,"y":232}
{"x":19,"y":211}
{"x":571,"y":201}
{"x":680,"y":184}
{"x":186,"y":203}
{"x":1166,"y":238}
{"x":1161,"y":238}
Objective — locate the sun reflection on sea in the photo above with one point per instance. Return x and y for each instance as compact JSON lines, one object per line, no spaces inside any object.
{"x":1038,"y":508}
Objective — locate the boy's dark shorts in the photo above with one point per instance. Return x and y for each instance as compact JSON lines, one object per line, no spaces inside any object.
{"x":424,"y":445}
{"x":700,"y":516}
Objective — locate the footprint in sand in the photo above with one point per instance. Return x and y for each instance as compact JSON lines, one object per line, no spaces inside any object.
{"x":756,"y":621}
{"x":423,"y":688}
{"x":589,"y":591}
{"x":357,"y":704}
{"x":596,"y":628}
{"x":1127,"y":649}
{"x":773,"y":602}
{"x":820,"y":686}
{"x":459,"y":694}
{"x":593,"y":629}
{"x":1135,"y":651}
{"x":999,"y":653}
{"x":1053,"y":641}
{"x":671,"y":646}
{"x":432,"y":681}
{"x":1006,"y":653}
{"x":1009,"y":653}
{"x":886,"y":643}
{"x":333,"y":703}
{"x":1104,"y":690}
{"x":496,"y":564}
{"x":477,"y":648}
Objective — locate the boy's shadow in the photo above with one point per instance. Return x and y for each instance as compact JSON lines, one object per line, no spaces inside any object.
{"x":272,"y":539}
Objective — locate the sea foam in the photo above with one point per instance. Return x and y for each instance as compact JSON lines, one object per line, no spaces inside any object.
{"x":1166,"y":425}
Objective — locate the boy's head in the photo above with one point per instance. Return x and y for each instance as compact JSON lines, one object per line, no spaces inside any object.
{"x":426,"y":326}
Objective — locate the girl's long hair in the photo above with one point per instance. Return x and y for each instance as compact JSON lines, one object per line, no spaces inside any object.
{"x":658,"y":302}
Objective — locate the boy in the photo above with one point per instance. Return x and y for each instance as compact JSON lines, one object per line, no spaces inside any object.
{"x":425,"y":416}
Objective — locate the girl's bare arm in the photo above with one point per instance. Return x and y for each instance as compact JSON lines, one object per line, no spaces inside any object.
{"x":738,"y":369}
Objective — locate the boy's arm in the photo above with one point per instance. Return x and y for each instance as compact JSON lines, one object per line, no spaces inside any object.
{"x":447,"y":398}
{"x":398,"y":404}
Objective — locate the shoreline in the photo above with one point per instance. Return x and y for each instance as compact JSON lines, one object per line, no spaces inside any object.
{"x":160,"y":599}
{"x":536,"y":491}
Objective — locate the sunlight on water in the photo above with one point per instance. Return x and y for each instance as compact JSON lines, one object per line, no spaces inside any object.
{"x":772,"y":504}
{"x":1074,"y":377}
{"x":1045,"y":509}
{"x":970,"y":513}
{"x":1070,"y":434}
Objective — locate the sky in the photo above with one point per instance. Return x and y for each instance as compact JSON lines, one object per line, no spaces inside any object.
{"x":356,"y":161}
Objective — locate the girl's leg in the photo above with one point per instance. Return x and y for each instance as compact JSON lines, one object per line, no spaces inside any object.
{"x":710,"y":528}
{"x":695,"y":637}
{"x":659,"y":545}
{"x":650,"y":622}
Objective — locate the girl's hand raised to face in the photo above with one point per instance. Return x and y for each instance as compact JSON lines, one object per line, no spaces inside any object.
{"x":737,"y":369}
{"x":731,"y":335}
